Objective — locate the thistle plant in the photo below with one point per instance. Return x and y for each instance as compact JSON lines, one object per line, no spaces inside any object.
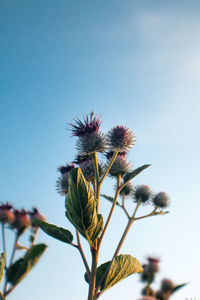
{"x":167,"y":286}
{"x":81,"y":183}
{"x":19,"y":222}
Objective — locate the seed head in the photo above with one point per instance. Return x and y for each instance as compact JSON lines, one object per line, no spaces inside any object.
{"x":161,"y":200}
{"x":120,"y":139}
{"x":142,"y":193}
{"x":6,"y":213}
{"x":153,"y":265}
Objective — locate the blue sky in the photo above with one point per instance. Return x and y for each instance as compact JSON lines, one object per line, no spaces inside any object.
{"x":135,"y":62}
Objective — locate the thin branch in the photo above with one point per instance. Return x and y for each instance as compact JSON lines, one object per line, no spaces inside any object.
{"x":79,"y":247}
{"x":111,"y":211}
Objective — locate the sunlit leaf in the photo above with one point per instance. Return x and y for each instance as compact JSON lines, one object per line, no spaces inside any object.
{"x":81,"y":206}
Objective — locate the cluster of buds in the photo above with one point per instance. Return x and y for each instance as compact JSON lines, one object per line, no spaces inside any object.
{"x":119,"y":139}
{"x":167,"y":287}
{"x":18,"y":219}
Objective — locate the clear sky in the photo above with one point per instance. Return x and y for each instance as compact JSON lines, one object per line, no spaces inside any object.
{"x":138,"y":64}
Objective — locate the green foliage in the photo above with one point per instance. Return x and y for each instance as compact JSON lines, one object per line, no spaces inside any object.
{"x":56,"y":232}
{"x":111,"y":199}
{"x":2,"y":265}
{"x":121,"y":267}
{"x":22,"y":267}
{"x":81,"y":206}
{"x":131,"y":175}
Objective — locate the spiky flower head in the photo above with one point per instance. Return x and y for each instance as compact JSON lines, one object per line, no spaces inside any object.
{"x":6,"y":213}
{"x":142,"y":193}
{"x":36,"y":215}
{"x":22,"y":220}
{"x":90,"y":124}
{"x":161,"y":200}
{"x":90,"y":138}
{"x":86,"y":163}
{"x":127,"y":190}
{"x":167,"y":285}
{"x":62,"y":184}
{"x":120,"y":139}
{"x":120,"y":166}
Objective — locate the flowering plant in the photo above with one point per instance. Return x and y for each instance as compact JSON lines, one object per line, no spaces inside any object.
{"x":167,"y":287}
{"x":18,"y":221}
{"x":81,"y":182}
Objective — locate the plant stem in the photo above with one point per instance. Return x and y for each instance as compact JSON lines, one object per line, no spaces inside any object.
{"x":82,"y":254}
{"x":111,"y":211}
{"x":148,"y":215}
{"x":109,"y":166}
{"x":92,"y":282}
{"x":4,"y":242}
{"x":130,"y":222}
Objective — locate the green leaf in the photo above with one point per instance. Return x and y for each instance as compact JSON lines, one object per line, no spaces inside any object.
{"x":111,"y":199}
{"x":2,"y":265}
{"x":81,"y":206}
{"x":122,"y":267}
{"x":2,"y":297}
{"x":131,"y":175}
{"x":177,"y":287}
{"x":22,"y":266}
{"x":58,"y":233}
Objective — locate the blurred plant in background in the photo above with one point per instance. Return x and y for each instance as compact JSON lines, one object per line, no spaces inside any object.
{"x":18,"y":221}
{"x":167,"y":286}
{"x":81,"y":181}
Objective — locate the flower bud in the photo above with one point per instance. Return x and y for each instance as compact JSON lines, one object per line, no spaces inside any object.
{"x":6,"y":213}
{"x":36,"y":215}
{"x":153,"y":265}
{"x":22,"y":220}
{"x":142,"y":193}
{"x":148,"y":291}
{"x":62,"y":184}
{"x":127,"y":190}
{"x":120,"y":139}
{"x":86,"y":163}
{"x":90,"y":139}
{"x":161,"y":200}
{"x":120,"y":166}
{"x":167,"y":285}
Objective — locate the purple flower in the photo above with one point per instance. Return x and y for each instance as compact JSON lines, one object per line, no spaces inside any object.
{"x":90,"y":124}
{"x":120,"y":139}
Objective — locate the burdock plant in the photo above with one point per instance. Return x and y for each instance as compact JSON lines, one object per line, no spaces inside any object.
{"x":81,"y":183}
{"x":19,"y":222}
